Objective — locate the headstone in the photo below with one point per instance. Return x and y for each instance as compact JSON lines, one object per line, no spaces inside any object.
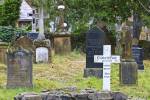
{"x":19,"y":69}
{"x":42,"y":54}
{"x":128,"y":72}
{"x":95,"y":39}
{"x":62,"y":43}
{"x":106,"y":59}
{"x":25,"y":42}
{"x":138,"y":55}
{"x":42,"y":51}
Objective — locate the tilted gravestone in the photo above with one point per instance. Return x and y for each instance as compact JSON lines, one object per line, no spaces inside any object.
{"x":25,"y":43}
{"x":19,"y":69}
{"x":95,"y":39}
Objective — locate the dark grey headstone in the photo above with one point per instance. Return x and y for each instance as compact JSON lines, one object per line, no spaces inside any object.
{"x":138,"y":55}
{"x":128,"y":72}
{"x":19,"y":69}
{"x":95,"y":39}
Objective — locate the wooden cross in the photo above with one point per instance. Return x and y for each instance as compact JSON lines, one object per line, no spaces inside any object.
{"x":106,"y":59}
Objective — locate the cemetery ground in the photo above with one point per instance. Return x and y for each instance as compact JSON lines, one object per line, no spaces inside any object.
{"x":67,"y":71}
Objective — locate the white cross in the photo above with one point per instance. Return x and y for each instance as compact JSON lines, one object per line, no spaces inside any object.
{"x":106,"y":59}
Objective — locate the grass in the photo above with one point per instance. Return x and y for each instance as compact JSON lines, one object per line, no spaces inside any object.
{"x":67,"y":70}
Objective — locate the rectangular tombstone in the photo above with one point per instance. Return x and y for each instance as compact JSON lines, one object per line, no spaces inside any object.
{"x":95,"y":39}
{"x":42,"y":55}
{"x":62,"y":43}
{"x":128,"y":72}
{"x":19,"y":69}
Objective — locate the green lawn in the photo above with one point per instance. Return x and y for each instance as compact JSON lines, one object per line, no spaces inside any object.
{"x":67,"y":71}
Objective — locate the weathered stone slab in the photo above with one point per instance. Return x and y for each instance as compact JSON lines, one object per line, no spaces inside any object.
{"x":24,"y":42}
{"x":57,"y":95}
{"x":62,"y":44}
{"x":19,"y":69}
{"x":128,"y":72}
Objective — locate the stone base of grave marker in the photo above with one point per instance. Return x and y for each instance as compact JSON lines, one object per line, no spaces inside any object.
{"x":128,"y":72}
{"x":96,"y":72}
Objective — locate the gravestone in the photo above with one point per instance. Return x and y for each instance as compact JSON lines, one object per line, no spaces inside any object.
{"x":128,"y":72}
{"x":19,"y":69}
{"x":24,"y":42}
{"x":42,"y":54}
{"x":95,"y":39}
{"x":43,"y":51}
{"x":138,"y":55}
{"x":62,"y":43}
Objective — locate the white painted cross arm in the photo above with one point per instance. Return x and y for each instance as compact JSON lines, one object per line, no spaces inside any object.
{"x":102,"y":59}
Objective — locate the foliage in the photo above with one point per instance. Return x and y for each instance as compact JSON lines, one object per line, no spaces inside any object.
{"x":9,"y":12}
{"x":7,"y":34}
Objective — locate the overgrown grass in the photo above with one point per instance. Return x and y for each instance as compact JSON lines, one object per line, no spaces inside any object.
{"x":67,"y":70}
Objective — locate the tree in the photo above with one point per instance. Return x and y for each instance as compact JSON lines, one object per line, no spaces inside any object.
{"x":9,"y":12}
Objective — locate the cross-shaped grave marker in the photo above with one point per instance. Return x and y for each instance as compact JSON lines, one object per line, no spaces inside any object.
{"x":106,"y":59}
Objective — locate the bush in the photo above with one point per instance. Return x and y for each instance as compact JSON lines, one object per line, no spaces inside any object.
{"x":8,"y":34}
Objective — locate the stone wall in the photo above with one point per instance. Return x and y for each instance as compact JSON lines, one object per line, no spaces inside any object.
{"x":61,"y":95}
{"x":3,"y":50}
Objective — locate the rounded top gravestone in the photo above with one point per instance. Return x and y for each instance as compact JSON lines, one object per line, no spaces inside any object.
{"x":95,"y":39}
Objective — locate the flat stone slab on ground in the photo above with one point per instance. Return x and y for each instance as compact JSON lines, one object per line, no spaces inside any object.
{"x":61,"y":95}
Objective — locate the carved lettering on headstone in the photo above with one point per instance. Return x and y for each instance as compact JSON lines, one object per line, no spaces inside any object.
{"x":19,"y":65}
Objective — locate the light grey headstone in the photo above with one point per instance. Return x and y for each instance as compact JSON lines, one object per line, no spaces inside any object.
{"x":42,"y":54}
